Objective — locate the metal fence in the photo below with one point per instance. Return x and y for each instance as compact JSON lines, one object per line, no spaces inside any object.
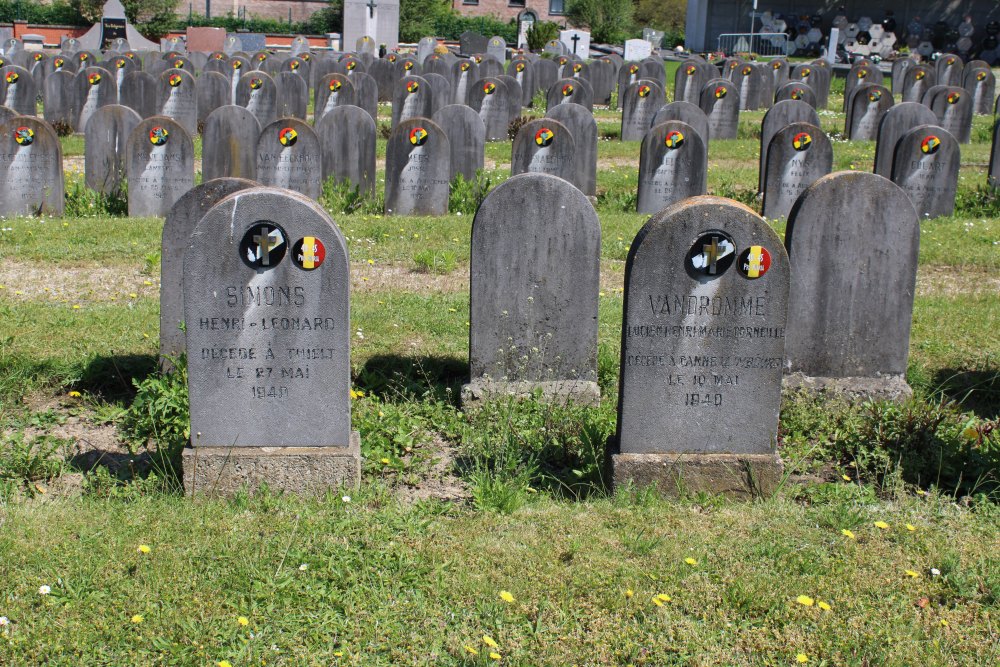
{"x":761,"y":43}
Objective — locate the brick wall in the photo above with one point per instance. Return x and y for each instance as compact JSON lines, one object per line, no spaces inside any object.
{"x":270,"y":9}
{"x":507,"y":9}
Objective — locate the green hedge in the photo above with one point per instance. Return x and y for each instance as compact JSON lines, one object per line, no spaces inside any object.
{"x":32,"y":11}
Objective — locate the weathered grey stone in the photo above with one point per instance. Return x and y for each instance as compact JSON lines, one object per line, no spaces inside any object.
{"x":159,"y":164}
{"x":417,"y":169}
{"x":544,"y":146}
{"x":229,"y":144}
{"x":497,"y":48}
{"x":489,"y":98}
{"x":994,"y":168}
{"x":466,"y":138}
{"x":896,"y":122}
{"x":489,"y":66}
{"x":673,"y":165}
{"x":514,"y":94}
{"x":981,"y":84}
{"x":917,"y":80}
{"x":570,"y":91}
{"x":366,"y":93}
{"x":798,"y":155}
{"x":749,"y":82}
{"x":6,"y":114}
{"x":275,"y":264}
{"x":407,"y":66}
{"x":95,"y":88}
{"x":868,"y":103}
{"x":860,"y":74}
{"x":706,"y":293}
{"x":441,"y":95}
{"x":18,"y":90}
{"x":953,"y":108}
{"x":925,"y":164}
{"x":464,"y":75}
{"x":347,"y":139}
{"x":293,"y":95}
{"x":900,"y":66}
{"x":60,"y":99}
{"x":720,"y":101}
{"x":781,"y":115}
{"x":289,"y":156}
{"x":583,"y":128}
{"x":535,"y":267}
{"x":212,"y":91}
{"x":104,"y":147}
{"x":177,"y":229}
{"x":602,"y":74}
{"x":853,"y":240}
{"x":639,"y":102}
{"x":949,"y":70}
{"x":425,"y":47}
{"x":332,"y":91}
{"x":177,"y":99}
{"x":31,"y":173}
{"x":544,"y":73}
{"x":794,"y":90}
{"x":817,"y":78}
{"x":471,"y":42}
{"x":778,"y":71}
{"x":684,"y":112}
{"x":257,"y":92}
{"x":412,"y":99}
{"x":139,"y":92}
{"x":384,"y":73}
{"x":689,"y":81}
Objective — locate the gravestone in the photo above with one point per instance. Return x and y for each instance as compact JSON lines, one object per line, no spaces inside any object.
{"x":489,"y":98}
{"x":259,"y":94}
{"x":798,"y":155}
{"x":489,"y":66}
{"x":412,"y":99}
{"x":31,"y":171}
{"x":917,"y":80}
{"x":816,"y":78}
{"x":497,"y":48}
{"x":60,"y":99}
{"x":628,"y":73}
{"x":139,"y":93}
{"x":748,"y":81}
{"x":535,"y":273}
{"x":464,"y":75}
{"x":544,"y":146}
{"x":425,"y":47}
{"x":293,"y":95}
{"x":993,"y":172}
{"x":859,"y":75}
{"x":639,"y":102}
{"x":673,"y":165}
{"x":177,"y":99}
{"x":417,"y":169}
{"x":384,"y":73}
{"x":867,"y":105}
{"x":849,"y":329}
{"x":471,"y":42}
{"x":177,"y":229}
{"x":18,"y":90}
{"x":159,"y":165}
{"x":347,"y":140}
{"x":441,"y":95}
{"x":687,"y":113}
{"x":949,"y":70}
{"x":953,"y":108}
{"x":229,"y":144}
{"x":689,"y":80}
{"x":602,"y":77}
{"x":289,"y":156}
{"x":981,"y":85}
{"x":794,"y":90}
{"x":900,"y":66}
{"x":577,"y":42}
{"x":366,"y":93}
{"x":333,"y":90}
{"x":637,"y":49}
{"x":514,"y":95}
{"x":583,"y":128}
{"x":782,"y":114}
{"x":268,"y":330}
{"x":720,"y":100}
{"x":555,"y":48}
{"x":925,"y":164}
{"x":466,"y":137}
{"x":896,"y":122}
{"x":104,"y":147}
{"x":6,"y":114}
{"x":703,"y":341}
{"x":778,"y":71}
{"x":570,"y":91}
{"x":95,"y":88}
{"x":212,"y":91}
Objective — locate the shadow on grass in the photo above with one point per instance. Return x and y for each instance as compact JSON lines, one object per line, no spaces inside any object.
{"x":391,"y":377}
{"x":977,"y":391}
{"x":111,"y":377}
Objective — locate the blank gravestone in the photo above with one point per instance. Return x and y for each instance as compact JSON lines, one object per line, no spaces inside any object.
{"x":441,"y":95}
{"x":489,"y":98}
{"x":177,"y":229}
{"x":177,"y":99}
{"x":104,"y":147}
{"x":544,"y":146}
{"x":466,"y":137}
{"x":640,"y":102}
{"x":601,"y":76}
{"x":31,"y":170}
{"x":535,"y":265}
{"x":994,"y":169}
{"x":896,"y":122}
{"x":802,"y":154}
{"x":160,"y":166}
{"x":347,"y":140}
{"x":229,"y":143}
{"x":60,"y":99}
{"x":925,"y":164}
{"x":703,"y":343}
{"x":721,"y":103}
{"x":366,"y":93}
{"x":289,"y":157}
{"x":853,"y":240}
{"x":781,"y":115}
{"x":259,"y":94}
{"x":583,"y":128}
{"x":266,"y":306}
{"x":212,"y":92}
{"x":293,"y":95}
{"x":673,"y":165}
{"x":417,"y":169}
{"x":139,"y":93}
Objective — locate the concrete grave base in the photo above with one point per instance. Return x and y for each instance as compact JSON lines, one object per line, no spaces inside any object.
{"x":561,"y":392}
{"x":885,"y":387}
{"x":740,"y":476}
{"x":306,"y":470}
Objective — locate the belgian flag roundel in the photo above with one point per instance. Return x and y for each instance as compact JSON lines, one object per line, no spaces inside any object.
{"x":754,"y":262}
{"x":308,"y":253}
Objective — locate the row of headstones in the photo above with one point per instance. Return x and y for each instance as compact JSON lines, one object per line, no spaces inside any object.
{"x":255,"y":290}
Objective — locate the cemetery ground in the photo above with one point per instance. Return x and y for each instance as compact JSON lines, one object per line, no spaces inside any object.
{"x":489,"y":536}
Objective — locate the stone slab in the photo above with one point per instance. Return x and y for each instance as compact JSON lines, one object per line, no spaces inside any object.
{"x":740,"y":476}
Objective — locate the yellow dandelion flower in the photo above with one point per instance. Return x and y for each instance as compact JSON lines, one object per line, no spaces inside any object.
{"x":76,"y":306}
{"x":385,"y":461}
{"x":970,"y":432}
{"x":663,"y":597}
{"x":801,"y":657}
{"x":912,"y":574}
{"x":910,"y":527}
{"x":133,"y":294}
{"x":657,"y":601}
{"x":147,"y":283}
{"x":494,"y":655}
{"x":489,"y":641}
{"x":75,"y":394}
{"x":506,"y":596}
{"x":243,"y":620}
{"x":470,"y":650}
{"x":847,"y":533}
{"x":846,"y":478}
{"x":629,"y":592}
{"x":805,"y":600}
{"x":144,"y":549}
{"x":338,"y":654}
{"x":223,"y":663}
{"x":371,"y":262}
{"x":825,"y":606}
{"x":944,"y":623}
{"x":882,"y":524}
{"x":921,"y":492}
{"x":690,"y":561}
{"x":137,"y":619}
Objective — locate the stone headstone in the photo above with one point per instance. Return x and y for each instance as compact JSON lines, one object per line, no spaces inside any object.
{"x":441,"y":95}
{"x":749,"y":82}
{"x":212,"y":91}
{"x":816,"y":78}
{"x":654,"y":37}
{"x":471,"y":42}
{"x":177,"y":99}
{"x":602,"y":75}
{"x":466,"y":137}
{"x":60,"y":99}
{"x":347,"y":139}
{"x":993,"y":173}
{"x":685,"y":112}
{"x":577,"y":42}
{"x":949,"y":70}
{"x":782,"y":114}
{"x":689,"y":81}
{"x":366,"y":93}
{"x":412,"y":99}
{"x":899,"y":68}
{"x":917,"y":80}
{"x":95,"y":88}
{"x":497,"y":48}
{"x":252,"y":42}
{"x":332,"y":91}
{"x":490,"y":66}
{"x":489,"y":98}
{"x":267,"y":315}
{"x":259,"y":94}
{"x":289,"y":156}
{"x":229,"y":144}
{"x":386,"y":77}
{"x":18,"y":90}
{"x":703,"y":343}
{"x":860,"y":74}
{"x":544,"y":146}
{"x":159,"y":165}
{"x":720,"y":100}
{"x":798,"y":155}
{"x":778,"y":70}
{"x":849,"y":329}
{"x":555,"y":47}
{"x":104,"y":147}
{"x":570,"y":91}
{"x":581,"y":125}
{"x":417,"y":169}
{"x":896,"y":122}
{"x":673,"y":165}
{"x":139,"y":93}
{"x":464,"y":75}
{"x":177,"y":229}
{"x":953,"y":108}
{"x":293,"y":95}
{"x":925,"y":164}
{"x":31,"y":171}
{"x":425,"y":47}
{"x":534,"y":268}
{"x":206,"y":39}
{"x":794,"y":90}
{"x":640,"y":102}
{"x":981,"y":85}
{"x":867,"y":105}
{"x":637,"y":49}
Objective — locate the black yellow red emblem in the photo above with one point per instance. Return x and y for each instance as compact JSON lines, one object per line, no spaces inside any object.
{"x":288,"y":136}
{"x":930,"y":145}
{"x":674,"y":139}
{"x":24,"y":136}
{"x":544,"y":137}
{"x":308,"y":253}
{"x":158,"y":135}
{"x":418,"y":136}
{"x":801,"y":141}
{"x":754,"y":262}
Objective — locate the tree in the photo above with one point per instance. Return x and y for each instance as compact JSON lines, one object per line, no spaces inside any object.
{"x":610,"y":21}
{"x":666,"y":15}
{"x":418,"y":18}
{"x":153,"y":18}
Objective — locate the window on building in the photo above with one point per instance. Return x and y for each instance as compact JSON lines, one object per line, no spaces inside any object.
{"x":470,"y":2}
{"x":557,"y":6}
{"x":515,"y":3}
